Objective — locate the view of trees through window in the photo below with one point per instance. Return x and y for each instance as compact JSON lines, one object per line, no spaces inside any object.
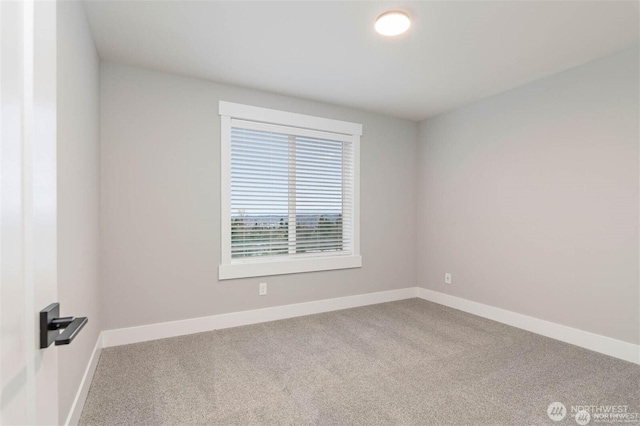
{"x":269,"y":235}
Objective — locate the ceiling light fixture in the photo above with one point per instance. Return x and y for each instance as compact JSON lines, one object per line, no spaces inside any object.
{"x":393,"y":23}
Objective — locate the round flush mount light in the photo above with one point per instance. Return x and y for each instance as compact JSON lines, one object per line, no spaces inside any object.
{"x":393,"y":23}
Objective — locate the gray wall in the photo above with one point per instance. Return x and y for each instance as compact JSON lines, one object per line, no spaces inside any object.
{"x":530,"y":199}
{"x":78,"y":192}
{"x":160,"y":192}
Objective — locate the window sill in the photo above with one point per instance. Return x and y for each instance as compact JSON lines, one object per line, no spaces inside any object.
{"x":292,"y":266}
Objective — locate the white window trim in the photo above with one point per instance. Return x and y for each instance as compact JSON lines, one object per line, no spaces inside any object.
{"x":347,"y":132}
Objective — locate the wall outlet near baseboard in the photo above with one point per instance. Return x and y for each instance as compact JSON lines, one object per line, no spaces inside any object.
{"x":262,"y":289}
{"x":447,"y":278}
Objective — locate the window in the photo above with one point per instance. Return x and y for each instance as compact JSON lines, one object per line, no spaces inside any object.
{"x":290,"y":200}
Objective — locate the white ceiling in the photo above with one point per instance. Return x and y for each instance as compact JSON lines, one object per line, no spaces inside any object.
{"x":456,"y":52}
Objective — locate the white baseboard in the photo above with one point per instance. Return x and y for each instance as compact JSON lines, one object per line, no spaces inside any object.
{"x":595,"y":342}
{"x":85,"y":384}
{"x":124,"y":336}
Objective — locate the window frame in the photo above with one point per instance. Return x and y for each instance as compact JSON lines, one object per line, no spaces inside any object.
{"x":304,"y":124}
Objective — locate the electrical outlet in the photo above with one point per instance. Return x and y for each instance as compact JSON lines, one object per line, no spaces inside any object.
{"x":262,"y":290}
{"x":447,"y":278}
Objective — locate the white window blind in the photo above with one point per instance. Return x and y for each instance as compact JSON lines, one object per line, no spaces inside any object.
{"x":291,"y":196}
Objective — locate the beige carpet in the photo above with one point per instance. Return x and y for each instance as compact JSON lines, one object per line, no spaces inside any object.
{"x":410,"y":362}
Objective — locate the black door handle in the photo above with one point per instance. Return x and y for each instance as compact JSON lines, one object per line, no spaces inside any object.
{"x":51,"y":323}
{"x":71,"y":331}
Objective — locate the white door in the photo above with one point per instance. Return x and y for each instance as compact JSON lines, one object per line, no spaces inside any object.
{"x":28,"y":374}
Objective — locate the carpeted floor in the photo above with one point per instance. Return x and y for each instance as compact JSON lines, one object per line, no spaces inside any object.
{"x":410,"y":362}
